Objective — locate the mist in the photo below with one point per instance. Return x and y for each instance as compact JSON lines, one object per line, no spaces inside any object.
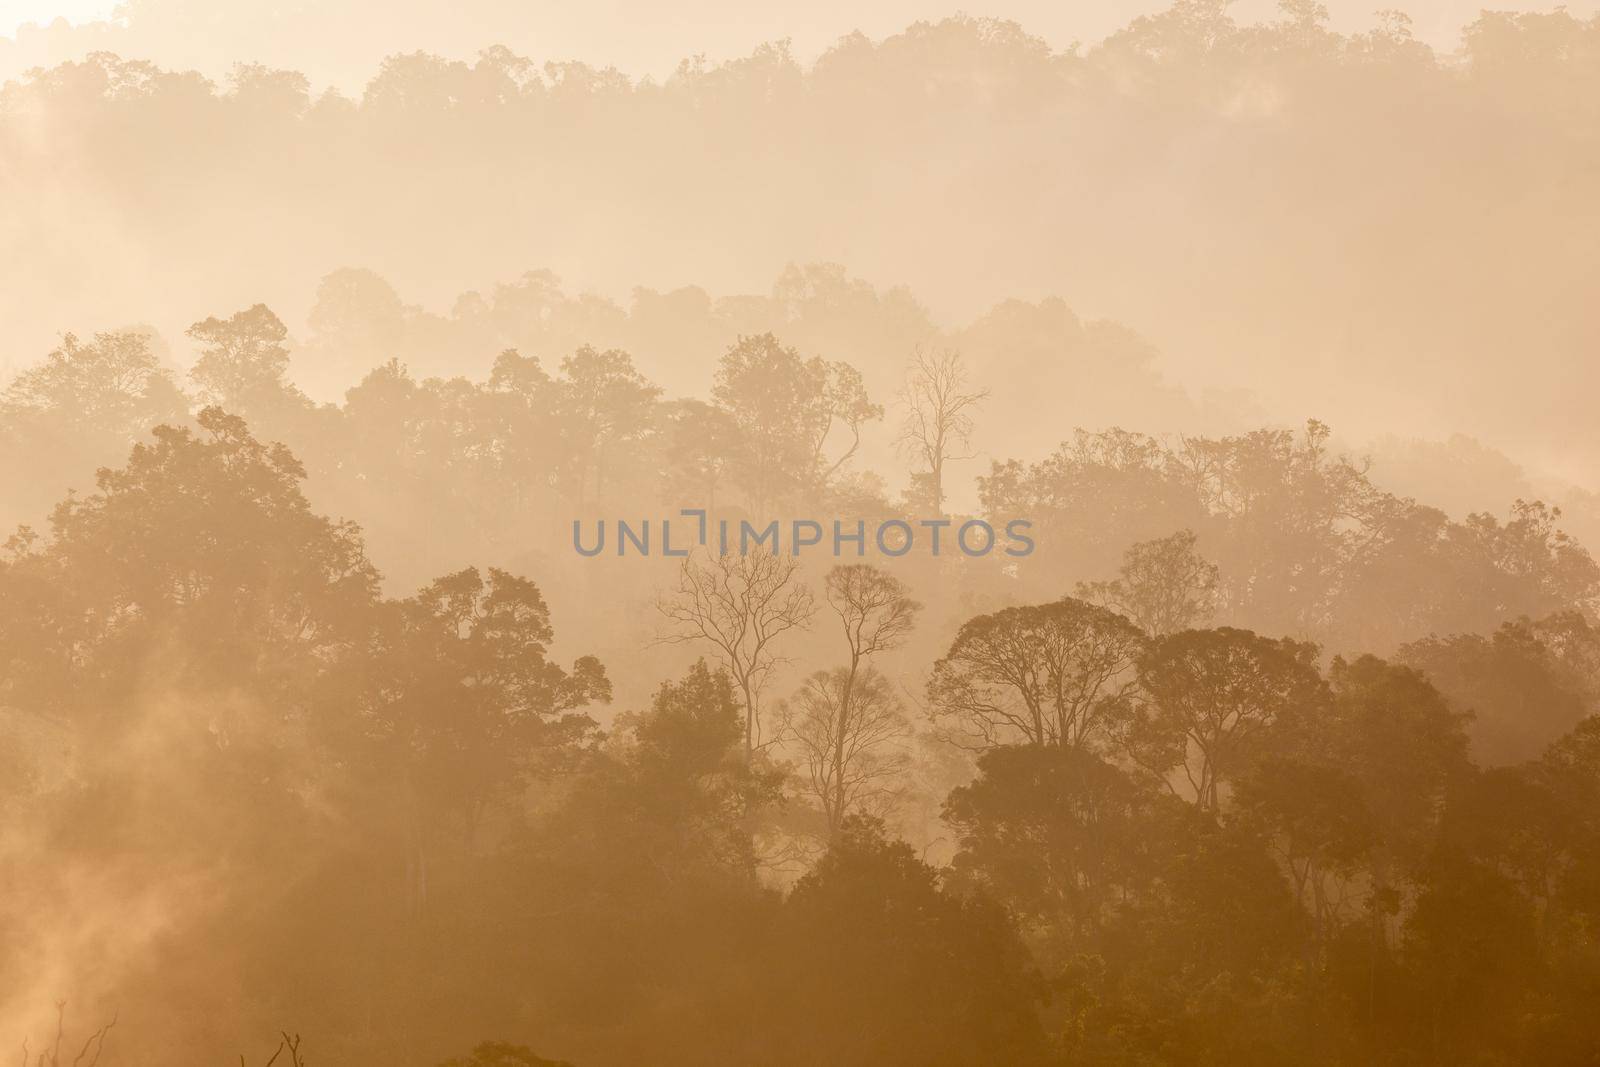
{"x":1197,"y":659}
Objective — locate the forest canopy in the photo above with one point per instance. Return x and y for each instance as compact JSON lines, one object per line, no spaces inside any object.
{"x":1045,"y":804}
{"x":321,"y":741}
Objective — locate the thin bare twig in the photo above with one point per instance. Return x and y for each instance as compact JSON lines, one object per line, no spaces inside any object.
{"x":98,"y":1040}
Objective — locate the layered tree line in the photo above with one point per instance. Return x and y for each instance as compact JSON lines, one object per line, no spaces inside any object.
{"x":1183,"y":168}
{"x":314,"y":723}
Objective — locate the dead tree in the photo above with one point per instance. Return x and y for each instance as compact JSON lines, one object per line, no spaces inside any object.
{"x":87,"y":1056}
{"x":739,"y":604}
{"x":288,"y":1044}
{"x":938,"y":417}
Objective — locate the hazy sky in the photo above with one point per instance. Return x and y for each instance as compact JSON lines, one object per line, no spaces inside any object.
{"x":18,"y":12}
{"x":645,"y":37}
{"x":1222,"y":246}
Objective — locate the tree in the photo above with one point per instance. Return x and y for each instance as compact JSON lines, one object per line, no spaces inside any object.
{"x":89,"y":1055}
{"x":78,"y":410}
{"x":465,"y":706}
{"x":202,"y":542}
{"x":700,"y":442}
{"x":874,"y":607}
{"x":688,"y":743}
{"x":521,"y":403}
{"x":844,"y":726}
{"x":1523,"y":686}
{"x":267,"y":93}
{"x":1055,"y":833}
{"x":785,"y":409}
{"x":194,"y":628}
{"x":1319,"y":823}
{"x":1208,"y":696}
{"x":1398,"y":738}
{"x":845,"y":404}
{"x":242,"y":362}
{"x":1047,"y":674}
{"x":605,"y":408}
{"x":876,"y":612}
{"x":640,"y":887}
{"x":112,"y":386}
{"x":741,"y":604}
{"x":1291,"y":513}
{"x":1527,"y":566}
{"x":1469,"y":950}
{"x":1163,"y":586}
{"x":288,"y":1044}
{"x":1210,"y":960}
{"x":883,"y":966}
{"x":938,"y":416}
{"x":357,"y":321}
{"x":1569,"y":771}
{"x":1090,"y":497}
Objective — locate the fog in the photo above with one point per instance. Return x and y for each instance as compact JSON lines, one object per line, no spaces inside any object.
{"x":338,"y":42}
{"x":330,"y":334}
{"x":1268,"y":208}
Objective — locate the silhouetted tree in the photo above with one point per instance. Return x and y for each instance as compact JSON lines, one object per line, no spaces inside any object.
{"x":1048,"y":674}
{"x":938,"y":417}
{"x":1208,"y":697}
{"x":1523,"y":685}
{"x":242,"y":361}
{"x":845,"y":728}
{"x":740,"y":604}
{"x":786,"y":408}
{"x":886,"y":967}
{"x":1163,"y":586}
{"x":604,"y":408}
{"x":842,"y":739}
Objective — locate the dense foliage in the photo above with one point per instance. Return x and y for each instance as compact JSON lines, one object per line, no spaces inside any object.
{"x":313,"y":723}
{"x":248,"y":786}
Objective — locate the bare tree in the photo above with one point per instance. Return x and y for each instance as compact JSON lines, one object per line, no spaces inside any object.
{"x":288,"y":1044}
{"x":851,"y":762}
{"x":740,"y":604}
{"x":938,"y":418}
{"x":876,"y":613}
{"x":1164,"y":586}
{"x":87,"y":1056}
{"x":875,"y":608}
